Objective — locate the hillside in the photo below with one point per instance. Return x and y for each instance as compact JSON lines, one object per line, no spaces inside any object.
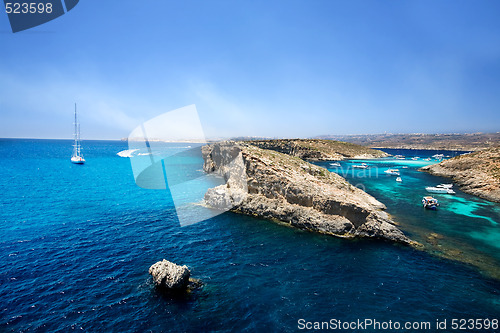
{"x":461,"y":142}
{"x":318,"y":150}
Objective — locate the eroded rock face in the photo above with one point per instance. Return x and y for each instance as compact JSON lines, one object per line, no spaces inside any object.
{"x":318,"y":150}
{"x":477,"y":173}
{"x":170,"y":276}
{"x":286,"y":188}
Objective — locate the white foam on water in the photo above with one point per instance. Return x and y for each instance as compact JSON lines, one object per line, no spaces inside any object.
{"x":126,"y":153}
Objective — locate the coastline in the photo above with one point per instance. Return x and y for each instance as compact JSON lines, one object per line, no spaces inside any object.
{"x":477,"y":173}
{"x":291,"y":190}
{"x":422,"y":141}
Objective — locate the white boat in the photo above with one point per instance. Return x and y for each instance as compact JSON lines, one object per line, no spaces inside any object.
{"x":404,"y":167}
{"x":438,"y":157}
{"x":399,"y":179}
{"x":361,"y":166}
{"x":77,"y":156}
{"x":430,"y":203}
{"x":427,"y":159}
{"x":414,"y":158}
{"x":445,"y":185}
{"x":394,"y":172}
{"x":335,"y":164}
{"x":441,"y":190}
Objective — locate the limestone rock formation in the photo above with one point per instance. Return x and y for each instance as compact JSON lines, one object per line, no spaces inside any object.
{"x":286,"y":188}
{"x":477,"y":173}
{"x":318,"y":150}
{"x":170,"y":276}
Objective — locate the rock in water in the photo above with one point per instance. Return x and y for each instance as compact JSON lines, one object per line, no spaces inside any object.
{"x":168,"y":275}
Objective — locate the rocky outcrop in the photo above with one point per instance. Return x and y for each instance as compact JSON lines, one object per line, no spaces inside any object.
{"x":477,"y":173}
{"x":170,"y":276}
{"x":272,"y":185}
{"x":318,"y":150}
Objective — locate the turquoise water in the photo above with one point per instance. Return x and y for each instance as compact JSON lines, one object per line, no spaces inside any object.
{"x":77,"y":242}
{"x":468,"y":227}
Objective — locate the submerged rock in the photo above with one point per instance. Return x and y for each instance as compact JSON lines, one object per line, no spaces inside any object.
{"x":170,"y":276}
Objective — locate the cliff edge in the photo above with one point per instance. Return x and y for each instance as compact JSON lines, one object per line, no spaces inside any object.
{"x":476,"y":173}
{"x":318,"y":150}
{"x":272,"y":185}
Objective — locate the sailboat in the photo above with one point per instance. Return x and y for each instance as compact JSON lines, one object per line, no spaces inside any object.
{"x":77,"y":156}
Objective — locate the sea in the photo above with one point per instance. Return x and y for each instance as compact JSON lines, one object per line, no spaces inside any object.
{"x":77,"y":242}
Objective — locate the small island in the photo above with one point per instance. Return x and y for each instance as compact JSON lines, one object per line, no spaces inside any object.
{"x":285,"y":188}
{"x":477,"y":173}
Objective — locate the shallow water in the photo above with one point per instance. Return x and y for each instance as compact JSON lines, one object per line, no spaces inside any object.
{"x":467,"y":227}
{"x":77,"y":242}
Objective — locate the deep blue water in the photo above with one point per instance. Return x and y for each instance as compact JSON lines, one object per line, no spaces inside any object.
{"x":77,"y":242}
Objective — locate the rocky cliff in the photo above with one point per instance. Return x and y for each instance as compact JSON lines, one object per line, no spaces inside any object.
{"x":272,"y":185}
{"x":477,"y":173}
{"x":318,"y":150}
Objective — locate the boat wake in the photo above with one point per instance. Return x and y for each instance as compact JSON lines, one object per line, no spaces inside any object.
{"x":127,"y":153}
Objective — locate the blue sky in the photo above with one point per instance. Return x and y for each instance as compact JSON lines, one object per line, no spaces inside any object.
{"x":256,"y":68}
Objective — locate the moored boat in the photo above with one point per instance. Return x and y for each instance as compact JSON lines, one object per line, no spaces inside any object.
{"x":394,"y":172}
{"x":77,"y":156}
{"x":440,"y":190}
{"x":360,"y":166}
{"x":430,"y":203}
{"x":399,"y":179}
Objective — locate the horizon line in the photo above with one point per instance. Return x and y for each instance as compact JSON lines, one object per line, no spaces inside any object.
{"x":245,"y":137}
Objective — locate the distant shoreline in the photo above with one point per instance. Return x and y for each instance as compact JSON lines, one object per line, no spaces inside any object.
{"x":426,"y":148}
{"x":414,"y":141}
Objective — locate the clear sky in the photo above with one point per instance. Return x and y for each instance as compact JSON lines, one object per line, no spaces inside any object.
{"x":256,"y":67}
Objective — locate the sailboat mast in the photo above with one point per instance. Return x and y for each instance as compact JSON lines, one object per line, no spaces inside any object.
{"x":76,"y":129}
{"x":77,"y":156}
{"x":79,"y":142}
